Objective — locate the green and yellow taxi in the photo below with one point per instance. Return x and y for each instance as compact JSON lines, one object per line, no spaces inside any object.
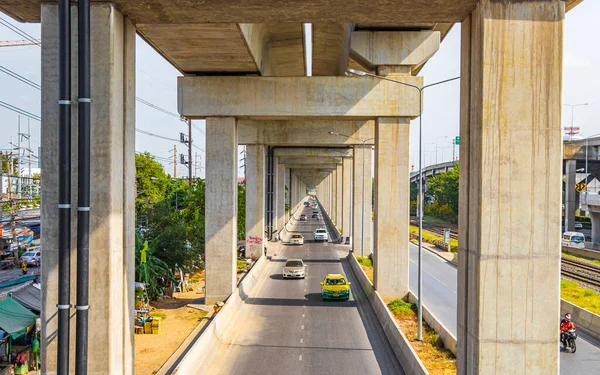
{"x":335,"y":286}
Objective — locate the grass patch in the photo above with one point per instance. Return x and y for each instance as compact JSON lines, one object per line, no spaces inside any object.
{"x":570,"y":255}
{"x":364,"y":261}
{"x":437,"y":359}
{"x":431,"y":238}
{"x":580,"y":296}
{"x":400,"y":307}
{"x":241,"y":266}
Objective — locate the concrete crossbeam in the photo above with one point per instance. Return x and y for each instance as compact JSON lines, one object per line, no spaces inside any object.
{"x":331,"y":48}
{"x":304,"y":132}
{"x":112,"y":195}
{"x":289,"y":97}
{"x":312,"y":167}
{"x":221,"y":208}
{"x":310,"y":160}
{"x":313,"y":152}
{"x":410,"y":48}
{"x":510,"y":188}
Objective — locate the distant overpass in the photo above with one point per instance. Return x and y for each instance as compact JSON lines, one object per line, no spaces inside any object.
{"x":432,"y":170}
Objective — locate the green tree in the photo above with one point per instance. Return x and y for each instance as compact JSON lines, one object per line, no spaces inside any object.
{"x":151,"y":179}
{"x":444,"y":187}
{"x":241,"y":216}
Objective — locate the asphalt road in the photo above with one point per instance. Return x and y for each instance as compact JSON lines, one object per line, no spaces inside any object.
{"x":285,"y":327}
{"x":439,"y":295}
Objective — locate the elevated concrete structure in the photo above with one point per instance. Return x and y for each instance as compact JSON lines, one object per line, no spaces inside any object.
{"x":244,"y":66}
{"x":591,"y":204}
{"x":255,"y":200}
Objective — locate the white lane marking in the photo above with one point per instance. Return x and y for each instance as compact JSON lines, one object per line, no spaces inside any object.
{"x":302,"y":326}
{"x":303,"y":315}
{"x":430,"y":274}
{"x":304,"y":306}
{"x":300,"y":357}
{"x":301,"y":341}
{"x":305,"y":290}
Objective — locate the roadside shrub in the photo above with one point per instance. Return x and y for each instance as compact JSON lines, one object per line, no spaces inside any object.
{"x":365,"y":261}
{"x":401,"y":307}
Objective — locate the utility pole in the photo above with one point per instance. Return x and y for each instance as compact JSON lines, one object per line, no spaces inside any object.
{"x":174,"y":161}
{"x":11,"y":202}
{"x":195,"y":165}
{"x":190,"y":152}
{"x":18,"y":157}
{"x":30,"y":179}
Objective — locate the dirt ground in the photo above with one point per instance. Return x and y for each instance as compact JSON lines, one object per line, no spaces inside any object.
{"x":178,"y":320}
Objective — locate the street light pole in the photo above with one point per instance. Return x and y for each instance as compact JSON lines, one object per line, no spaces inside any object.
{"x":586,"y":160}
{"x":420,"y":206}
{"x":362,"y":214}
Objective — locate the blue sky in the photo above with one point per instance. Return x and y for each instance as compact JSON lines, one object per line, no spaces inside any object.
{"x":156,"y":83}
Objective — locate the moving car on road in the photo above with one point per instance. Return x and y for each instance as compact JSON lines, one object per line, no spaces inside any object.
{"x":296,"y":239}
{"x":294,"y":268}
{"x":321,"y":235}
{"x":335,"y":286}
{"x":578,"y":225}
{"x":302,"y":217}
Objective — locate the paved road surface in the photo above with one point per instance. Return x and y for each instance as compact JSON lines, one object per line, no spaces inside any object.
{"x":439,"y":294}
{"x":285,"y":328}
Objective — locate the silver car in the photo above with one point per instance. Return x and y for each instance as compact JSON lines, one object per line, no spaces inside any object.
{"x":32,"y":258}
{"x":294,"y":268}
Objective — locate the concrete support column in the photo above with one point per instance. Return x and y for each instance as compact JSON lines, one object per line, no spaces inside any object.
{"x":510,"y":188}
{"x":347,"y":197}
{"x":361,"y":200}
{"x":595,"y":217}
{"x":221,"y":207}
{"x":280,"y":195}
{"x":570,"y":195}
{"x":255,"y":200}
{"x":339,"y":196}
{"x":392,"y":199}
{"x":112,"y":224}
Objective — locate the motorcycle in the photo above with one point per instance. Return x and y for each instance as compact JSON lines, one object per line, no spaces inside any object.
{"x":569,"y":340}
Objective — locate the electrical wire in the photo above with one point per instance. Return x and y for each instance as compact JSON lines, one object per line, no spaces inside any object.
{"x":20,"y":77}
{"x":20,"y":111}
{"x":20,"y":32}
{"x":156,"y":135}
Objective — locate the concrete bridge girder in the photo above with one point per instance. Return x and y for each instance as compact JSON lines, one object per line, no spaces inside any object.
{"x":310,"y":161}
{"x":307,"y":152}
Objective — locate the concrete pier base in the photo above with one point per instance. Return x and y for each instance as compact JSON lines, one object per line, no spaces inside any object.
{"x":510,"y":188}
{"x":112,"y":243}
{"x":221,"y":207}
{"x":255,"y":200}
{"x":361,"y":203}
{"x":392,"y":196}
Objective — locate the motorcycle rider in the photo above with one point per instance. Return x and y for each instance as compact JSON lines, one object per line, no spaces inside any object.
{"x":565,"y":325}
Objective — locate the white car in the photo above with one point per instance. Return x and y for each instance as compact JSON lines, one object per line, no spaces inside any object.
{"x":321,"y":235}
{"x":296,"y":239}
{"x":32,"y":258}
{"x":578,"y":225}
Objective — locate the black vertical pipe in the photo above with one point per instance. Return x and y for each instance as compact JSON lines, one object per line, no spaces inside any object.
{"x":272,"y":190}
{"x":83,"y":192}
{"x":64,"y":184}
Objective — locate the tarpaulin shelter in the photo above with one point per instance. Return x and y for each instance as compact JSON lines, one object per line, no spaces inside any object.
{"x":14,"y":317}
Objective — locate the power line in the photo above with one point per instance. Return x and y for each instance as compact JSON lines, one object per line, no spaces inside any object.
{"x":158,"y":108}
{"x":156,"y":135}
{"x":20,"y":77}
{"x":20,"y":111}
{"x":197,"y":128}
{"x":20,"y":32}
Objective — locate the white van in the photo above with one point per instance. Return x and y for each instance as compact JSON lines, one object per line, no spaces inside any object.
{"x":573,"y":239}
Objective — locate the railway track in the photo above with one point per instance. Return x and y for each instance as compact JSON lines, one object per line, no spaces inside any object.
{"x":581,"y":271}
{"x":436,"y":229}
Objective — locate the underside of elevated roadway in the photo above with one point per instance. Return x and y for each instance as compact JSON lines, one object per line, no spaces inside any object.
{"x":286,"y":328}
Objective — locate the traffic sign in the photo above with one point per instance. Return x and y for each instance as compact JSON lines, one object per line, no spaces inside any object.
{"x":457,"y":140}
{"x":580,"y":186}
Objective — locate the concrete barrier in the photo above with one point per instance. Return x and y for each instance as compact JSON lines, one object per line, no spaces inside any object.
{"x":334,"y":234}
{"x":201,"y":352}
{"x":583,"y":252}
{"x":445,"y":335}
{"x":586,"y":321}
{"x":408,"y":358}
